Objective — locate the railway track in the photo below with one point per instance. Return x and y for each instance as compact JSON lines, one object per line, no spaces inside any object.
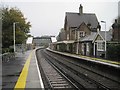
{"x":105,"y":75}
{"x":80,"y":76}
{"x":54,"y":77}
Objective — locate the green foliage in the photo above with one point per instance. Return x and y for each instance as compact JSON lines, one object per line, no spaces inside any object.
{"x":11,"y":15}
{"x":113,"y":51}
{"x":119,"y":20}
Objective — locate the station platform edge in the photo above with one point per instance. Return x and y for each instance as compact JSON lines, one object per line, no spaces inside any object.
{"x":30,"y":76}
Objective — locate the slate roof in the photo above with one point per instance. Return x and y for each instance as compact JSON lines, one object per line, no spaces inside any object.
{"x":76,"y":19}
{"x":89,"y":37}
{"x":102,"y":33}
{"x":108,"y":35}
{"x":42,"y":37}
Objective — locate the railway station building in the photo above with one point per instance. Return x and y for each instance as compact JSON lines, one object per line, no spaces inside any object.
{"x":76,"y":27}
{"x":42,"y":41}
{"x":82,"y":35}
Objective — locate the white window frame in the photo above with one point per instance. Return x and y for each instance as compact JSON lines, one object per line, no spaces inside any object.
{"x":81,"y":33}
{"x":82,"y":47}
{"x":75,"y":35}
{"x":100,"y":46}
{"x":87,"y":47}
{"x":67,"y":36}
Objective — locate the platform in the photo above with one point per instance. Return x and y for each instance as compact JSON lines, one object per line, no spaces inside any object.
{"x":96,"y":60}
{"x":22,"y":73}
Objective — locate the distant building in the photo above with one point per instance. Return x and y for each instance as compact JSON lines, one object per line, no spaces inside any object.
{"x":42,"y":41}
{"x":29,"y":44}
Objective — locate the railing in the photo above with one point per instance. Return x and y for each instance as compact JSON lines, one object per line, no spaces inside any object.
{"x":6,"y":57}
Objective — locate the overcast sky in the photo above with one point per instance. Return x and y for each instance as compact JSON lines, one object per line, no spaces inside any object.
{"x":47,"y":17}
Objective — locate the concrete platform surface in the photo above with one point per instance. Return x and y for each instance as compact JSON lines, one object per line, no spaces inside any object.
{"x":22,"y":72}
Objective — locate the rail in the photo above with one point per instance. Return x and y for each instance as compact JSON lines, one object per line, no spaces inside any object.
{"x":86,"y":74}
{"x":54,"y":78}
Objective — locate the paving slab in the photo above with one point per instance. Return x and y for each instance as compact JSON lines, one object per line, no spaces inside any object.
{"x":13,"y":69}
{"x":33,"y":80}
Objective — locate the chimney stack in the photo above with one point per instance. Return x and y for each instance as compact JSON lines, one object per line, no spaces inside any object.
{"x":98,"y":27}
{"x":81,"y":9}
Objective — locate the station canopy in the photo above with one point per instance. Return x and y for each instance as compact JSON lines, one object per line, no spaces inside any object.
{"x":66,"y":42}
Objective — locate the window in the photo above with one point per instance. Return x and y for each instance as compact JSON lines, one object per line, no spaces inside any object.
{"x":67,"y":36}
{"x":82,"y":33}
{"x":87,"y":47}
{"x":100,"y":46}
{"x":82,"y":47}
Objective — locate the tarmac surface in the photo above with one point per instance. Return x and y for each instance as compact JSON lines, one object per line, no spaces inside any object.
{"x":21,"y":72}
{"x":11,"y":70}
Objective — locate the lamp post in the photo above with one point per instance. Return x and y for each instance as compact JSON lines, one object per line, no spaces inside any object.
{"x":14,"y":34}
{"x":105,"y":36}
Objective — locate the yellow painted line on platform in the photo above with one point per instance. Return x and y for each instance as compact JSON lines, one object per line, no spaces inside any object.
{"x":21,"y":83}
{"x":103,"y":60}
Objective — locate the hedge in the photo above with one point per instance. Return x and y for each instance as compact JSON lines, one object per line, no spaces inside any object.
{"x":113,"y":52}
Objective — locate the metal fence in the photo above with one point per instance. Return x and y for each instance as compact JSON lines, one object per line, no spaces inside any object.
{"x":6,"y":57}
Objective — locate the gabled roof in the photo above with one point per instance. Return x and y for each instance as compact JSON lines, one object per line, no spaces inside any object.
{"x":102,"y":35}
{"x":75,"y":19}
{"x":89,"y":37}
{"x":108,"y":35}
{"x":94,"y":35}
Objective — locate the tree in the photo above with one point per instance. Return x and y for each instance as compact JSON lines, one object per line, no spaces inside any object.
{"x":61,"y":35}
{"x":119,"y":19}
{"x":9,"y":16}
{"x":113,"y":49}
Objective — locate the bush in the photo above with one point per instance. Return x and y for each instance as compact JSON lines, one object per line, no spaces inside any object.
{"x":11,"y":50}
{"x":5,"y":50}
{"x":113,"y":52}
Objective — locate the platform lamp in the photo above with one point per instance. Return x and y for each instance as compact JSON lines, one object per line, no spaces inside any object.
{"x":105,"y":36}
{"x":14,"y":23}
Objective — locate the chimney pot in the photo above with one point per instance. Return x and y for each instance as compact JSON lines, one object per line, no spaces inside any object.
{"x":81,"y":9}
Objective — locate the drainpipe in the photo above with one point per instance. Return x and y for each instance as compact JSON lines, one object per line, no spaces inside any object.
{"x":78,"y":43}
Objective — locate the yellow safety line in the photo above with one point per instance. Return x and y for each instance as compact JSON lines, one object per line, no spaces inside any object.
{"x":103,"y":60}
{"x":21,"y":83}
